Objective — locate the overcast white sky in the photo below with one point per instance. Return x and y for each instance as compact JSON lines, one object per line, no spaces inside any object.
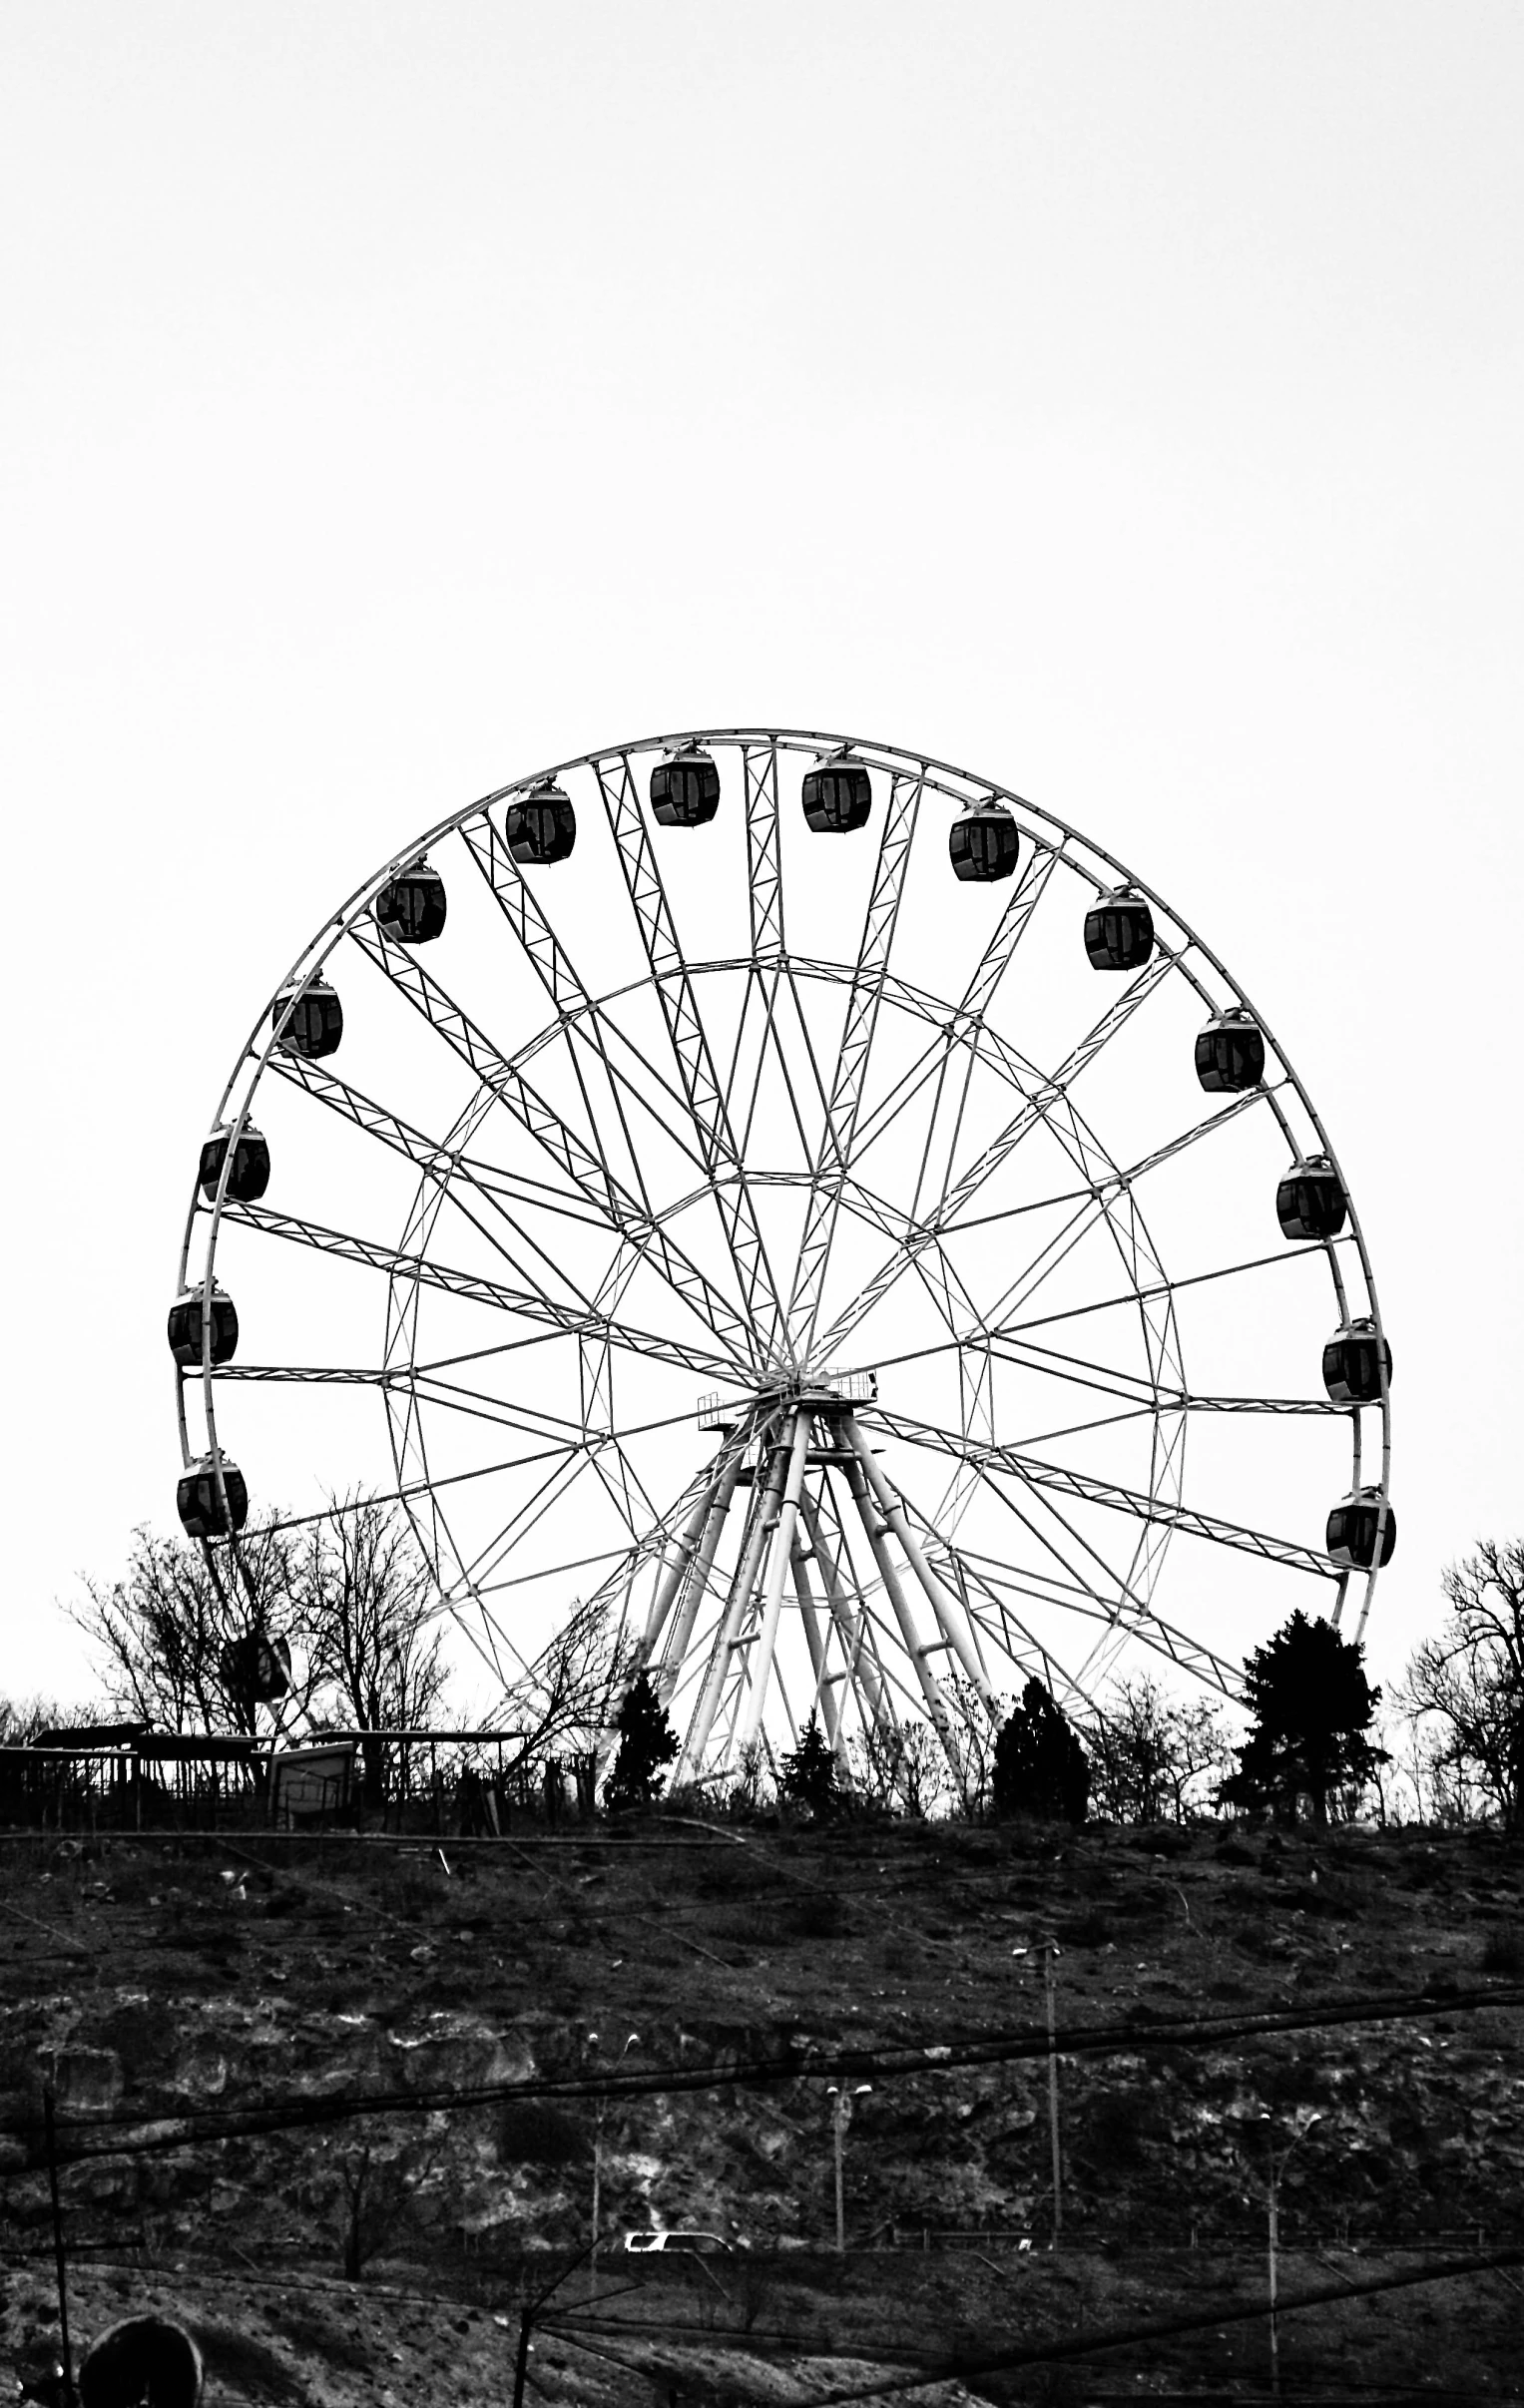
{"x":1124,"y":401}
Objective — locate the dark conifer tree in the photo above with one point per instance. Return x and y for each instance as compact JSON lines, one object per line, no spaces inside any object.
{"x":807,"y":1777}
{"x":1312,"y":1707}
{"x":647,"y":1741}
{"x":1040,"y":1767}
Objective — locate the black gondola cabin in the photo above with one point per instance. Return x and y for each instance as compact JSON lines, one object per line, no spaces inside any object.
{"x":1353,"y":1361}
{"x":256,"y":1668}
{"x":411,"y":908}
{"x":837,"y":796}
{"x":249,"y":1176}
{"x":984,"y":843}
{"x":318,"y":1019}
{"x":541,"y":826}
{"x":1119,"y":932}
{"x":1311,"y":1200}
{"x":1352,"y":1532}
{"x":685,"y":789}
{"x":187,"y":1328}
{"x":1230,"y":1054}
{"x":201,"y":1508}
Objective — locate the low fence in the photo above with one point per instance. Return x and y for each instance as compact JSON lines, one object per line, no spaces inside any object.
{"x":125,"y":1777}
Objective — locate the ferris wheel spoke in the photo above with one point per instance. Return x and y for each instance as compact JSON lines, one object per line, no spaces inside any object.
{"x":477,"y":1403}
{"x":583,"y":1021}
{"x":1014,"y":1638}
{"x":445,"y":1163}
{"x":1164,"y":1289}
{"x":573,"y":1466}
{"x":834,"y":1155}
{"x":955,"y":1197}
{"x":963,"y":1026}
{"x":584,"y":1165}
{"x":445,"y":1171}
{"x":1149,"y":1629}
{"x":1038,"y":1473}
{"x":1148,"y":1394}
{"x":530,"y":1303}
{"x":764,"y":872}
{"x":690,"y":1043}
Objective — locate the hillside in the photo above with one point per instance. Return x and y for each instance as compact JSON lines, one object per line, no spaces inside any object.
{"x":166,"y":1979}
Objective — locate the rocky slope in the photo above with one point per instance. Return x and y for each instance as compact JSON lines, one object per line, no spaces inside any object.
{"x":159,"y":1980}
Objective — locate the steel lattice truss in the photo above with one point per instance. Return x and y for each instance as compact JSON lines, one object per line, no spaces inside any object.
{"x":797,"y":1250}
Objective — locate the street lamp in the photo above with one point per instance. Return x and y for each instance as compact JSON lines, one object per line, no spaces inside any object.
{"x":1276,"y":2172}
{"x":842,"y":2116}
{"x":602,"y":2100}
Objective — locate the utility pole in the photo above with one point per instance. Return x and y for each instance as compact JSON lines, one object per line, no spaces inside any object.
{"x":842,"y":2116}
{"x":1275,"y":2236}
{"x":1050,"y":1950}
{"x":602,"y":2110}
{"x":521,"y":2361}
{"x":58,"y":2247}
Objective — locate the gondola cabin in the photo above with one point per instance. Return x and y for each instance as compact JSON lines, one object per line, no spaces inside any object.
{"x":411,"y":908}
{"x":984,"y":843}
{"x":541,"y":826}
{"x":837,"y":796}
{"x":201,"y":1508}
{"x":257,"y":1669}
{"x":685,"y":789}
{"x":250,"y":1175}
{"x":1352,"y":1532}
{"x":316,"y":1023}
{"x":1230,"y":1054}
{"x":1352,"y":1364}
{"x":1311,"y":1200}
{"x":1119,"y":932}
{"x":188,"y":1328}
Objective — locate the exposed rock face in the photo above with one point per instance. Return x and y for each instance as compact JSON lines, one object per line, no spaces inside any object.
{"x":722,"y":1954}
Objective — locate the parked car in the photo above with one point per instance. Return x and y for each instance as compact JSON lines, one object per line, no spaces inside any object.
{"x":684,"y":2243}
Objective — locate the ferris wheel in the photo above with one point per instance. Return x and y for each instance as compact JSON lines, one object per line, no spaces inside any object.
{"x":814,"y":1203}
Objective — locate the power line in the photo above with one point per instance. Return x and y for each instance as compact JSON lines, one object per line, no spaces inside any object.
{"x":129,"y":2132}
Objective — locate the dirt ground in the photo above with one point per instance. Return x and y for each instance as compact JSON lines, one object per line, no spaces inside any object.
{"x":384,"y":2256}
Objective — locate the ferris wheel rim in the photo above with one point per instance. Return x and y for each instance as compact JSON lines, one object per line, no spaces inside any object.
{"x":1067,"y":844}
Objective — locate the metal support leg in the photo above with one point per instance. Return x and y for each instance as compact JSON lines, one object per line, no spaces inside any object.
{"x":701,"y":1566}
{"x":849,"y":1625}
{"x":944,"y":1607}
{"x":936,"y":1706}
{"x":743,"y":1589}
{"x":797,"y":1438}
{"x":822,"y":1702}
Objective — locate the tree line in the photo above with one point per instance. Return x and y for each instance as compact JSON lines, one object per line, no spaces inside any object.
{"x":349,"y":1596}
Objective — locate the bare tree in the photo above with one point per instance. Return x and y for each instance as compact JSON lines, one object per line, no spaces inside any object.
{"x":565,"y":1707}
{"x":976,"y":1728}
{"x":1154,"y":1757}
{"x":22,"y":1719}
{"x":367,"y":1604}
{"x":904,"y":1764}
{"x":160,"y":1631}
{"x":1463,"y":1690}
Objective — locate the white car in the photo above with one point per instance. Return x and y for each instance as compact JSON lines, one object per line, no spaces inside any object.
{"x":676,"y":2245}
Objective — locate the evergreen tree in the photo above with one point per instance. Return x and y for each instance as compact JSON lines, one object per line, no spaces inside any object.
{"x":1312,"y":1707}
{"x":1040,"y":1767}
{"x":647,"y":1741}
{"x":808,"y":1778}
